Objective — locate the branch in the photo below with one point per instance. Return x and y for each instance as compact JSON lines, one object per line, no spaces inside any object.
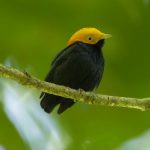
{"x":78,"y":95}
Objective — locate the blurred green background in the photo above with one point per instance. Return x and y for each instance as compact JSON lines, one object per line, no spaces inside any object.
{"x":32,"y":32}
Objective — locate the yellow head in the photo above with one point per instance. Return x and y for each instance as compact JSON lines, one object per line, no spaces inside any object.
{"x":88,"y":35}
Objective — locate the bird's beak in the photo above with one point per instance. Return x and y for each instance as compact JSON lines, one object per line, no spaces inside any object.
{"x":106,"y":36}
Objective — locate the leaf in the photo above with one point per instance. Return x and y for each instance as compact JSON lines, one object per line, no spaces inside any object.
{"x":37,"y":129}
{"x":140,"y":143}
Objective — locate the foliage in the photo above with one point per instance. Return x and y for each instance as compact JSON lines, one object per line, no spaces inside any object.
{"x":32,"y":32}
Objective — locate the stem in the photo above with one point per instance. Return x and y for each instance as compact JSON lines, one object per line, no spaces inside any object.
{"x":77,"y":95}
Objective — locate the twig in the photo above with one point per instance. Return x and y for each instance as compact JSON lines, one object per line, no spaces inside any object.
{"x":78,"y":95}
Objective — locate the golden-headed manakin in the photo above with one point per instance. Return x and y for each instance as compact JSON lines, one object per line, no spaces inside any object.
{"x":80,"y":66}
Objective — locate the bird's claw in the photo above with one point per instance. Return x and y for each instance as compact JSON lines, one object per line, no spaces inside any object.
{"x":27,"y":74}
{"x":81,"y":90}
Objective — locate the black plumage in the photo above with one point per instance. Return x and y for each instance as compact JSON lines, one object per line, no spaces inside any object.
{"x":79,"y":66}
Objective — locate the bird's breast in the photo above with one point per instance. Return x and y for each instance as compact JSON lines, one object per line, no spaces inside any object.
{"x":93,"y":53}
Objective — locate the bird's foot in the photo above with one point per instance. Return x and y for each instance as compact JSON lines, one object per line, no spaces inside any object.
{"x":27,"y":74}
{"x":81,"y":91}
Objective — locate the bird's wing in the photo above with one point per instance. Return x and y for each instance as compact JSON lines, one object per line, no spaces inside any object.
{"x":56,"y":62}
{"x":60,"y":58}
{"x":60,"y":53}
{"x":72,"y":67}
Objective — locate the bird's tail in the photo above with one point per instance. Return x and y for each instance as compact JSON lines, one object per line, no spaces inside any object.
{"x":65,"y":104}
{"x":49,"y":102}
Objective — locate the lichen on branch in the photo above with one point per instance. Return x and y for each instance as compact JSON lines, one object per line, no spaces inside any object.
{"x":77,"y":95}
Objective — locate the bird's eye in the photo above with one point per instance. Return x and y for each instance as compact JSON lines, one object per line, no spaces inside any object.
{"x":89,"y":38}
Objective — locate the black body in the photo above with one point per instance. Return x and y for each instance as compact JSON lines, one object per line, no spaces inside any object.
{"x":79,"y":66}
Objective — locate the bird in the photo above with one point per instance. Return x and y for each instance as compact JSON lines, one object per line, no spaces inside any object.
{"x":79,"y":66}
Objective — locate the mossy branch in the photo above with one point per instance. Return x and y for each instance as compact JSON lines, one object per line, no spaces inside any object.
{"x":77,"y":95}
